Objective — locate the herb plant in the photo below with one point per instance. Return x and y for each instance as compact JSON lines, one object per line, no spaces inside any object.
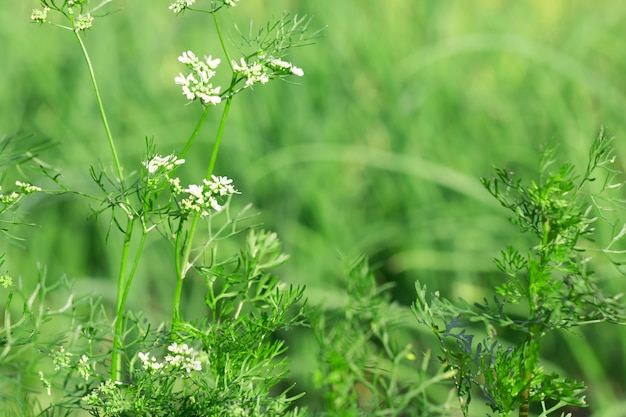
{"x":116,"y":362}
{"x":549,"y":287}
{"x":68,"y":353}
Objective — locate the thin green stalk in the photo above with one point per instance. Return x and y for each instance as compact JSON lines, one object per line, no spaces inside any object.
{"x":116,"y":359}
{"x":123,"y":289}
{"x":221,"y":38}
{"x":133,"y":269}
{"x":185,"y":245}
{"x":195,"y":132}
{"x":182,"y":261}
{"x":123,"y":281}
{"x":105,"y":123}
{"x":181,"y":264}
{"x":218,"y":138}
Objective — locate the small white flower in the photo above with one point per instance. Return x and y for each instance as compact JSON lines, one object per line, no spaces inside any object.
{"x":297,"y":71}
{"x":45,"y":383}
{"x":27,"y":188}
{"x":230,"y":3}
{"x":84,"y":367}
{"x":279,"y":63}
{"x":39,"y":15}
{"x":220,"y":185}
{"x":8,"y":199}
{"x":167,"y":163}
{"x":195,"y":190}
{"x":253,"y":73}
{"x":150,"y":364}
{"x":180,"y":5}
{"x":175,"y":184}
{"x":212,"y":63}
{"x":208,"y":99}
{"x":60,"y":358}
{"x":215,"y":205}
{"x":188,"y":57}
{"x":183,"y":358}
{"x":6,"y":281}
{"x":83,"y":21}
{"x":284,"y":67}
{"x":196,"y":85}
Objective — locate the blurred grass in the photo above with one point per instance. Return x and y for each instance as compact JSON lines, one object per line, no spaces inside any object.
{"x":378,"y":149}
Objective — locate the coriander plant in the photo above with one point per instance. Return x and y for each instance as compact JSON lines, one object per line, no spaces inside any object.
{"x":548,"y":287}
{"x":115,"y":362}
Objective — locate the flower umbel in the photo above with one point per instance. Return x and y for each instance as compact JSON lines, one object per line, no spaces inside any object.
{"x":83,"y":22}
{"x":204,"y":197}
{"x":262,"y":71}
{"x":40,"y":15}
{"x":180,"y":5}
{"x":166,"y":163}
{"x":27,"y":188}
{"x":60,"y":358}
{"x":182,"y":358}
{"x":253,"y":73}
{"x":196,"y":85}
{"x":6,"y":281}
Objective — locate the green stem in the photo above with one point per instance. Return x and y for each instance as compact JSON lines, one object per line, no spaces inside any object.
{"x":195,"y":132}
{"x":133,"y":269}
{"x":221,"y":38}
{"x":218,"y":138}
{"x":105,"y":123}
{"x":183,"y":247}
{"x":181,"y":264}
{"x":182,"y":260}
{"x":116,"y":359}
{"x":123,"y":282}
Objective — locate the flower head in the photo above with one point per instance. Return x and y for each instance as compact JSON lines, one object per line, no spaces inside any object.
{"x":196,"y":84}
{"x":261,"y":71}
{"x":60,"y":358}
{"x":202,"y":198}
{"x":253,"y":73}
{"x":39,"y":15}
{"x":166,"y":163}
{"x":84,"y":367}
{"x":6,"y":281}
{"x":27,"y":188}
{"x":83,"y":22}
{"x":150,"y":363}
{"x":180,"y":5}
{"x":283,"y":67}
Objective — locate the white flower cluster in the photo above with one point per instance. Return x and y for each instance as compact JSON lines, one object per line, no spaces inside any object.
{"x":253,"y":73}
{"x":63,"y":359}
{"x":115,"y":403}
{"x":202,"y":198}
{"x":83,"y":22}
{"x":164,"y":163}
{"x":284,"y":68}
{"x":196,"y":85}
{"x":183,"y":359}
{"x":180,"y":5}
{"x":6,"y":281}
{"x":27,"y":188}
{"x":24,"y":189}
{"x":60,"y":358}
{"x":230,"y":3}
{"x":39,"y":15}
{"x":259,"y":72}
{"x":47,"y":385}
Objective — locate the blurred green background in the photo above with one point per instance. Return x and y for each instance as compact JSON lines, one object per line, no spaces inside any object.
{"x":379,"y":149}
